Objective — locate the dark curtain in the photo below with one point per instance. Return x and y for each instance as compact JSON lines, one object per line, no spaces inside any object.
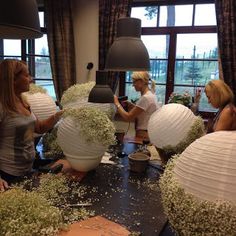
{"x":109,"y":12}
{"x":226,"y":24}
{"x":58,"y":19}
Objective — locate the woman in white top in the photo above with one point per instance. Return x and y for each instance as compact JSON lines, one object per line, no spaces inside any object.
{"x":145,"y":106}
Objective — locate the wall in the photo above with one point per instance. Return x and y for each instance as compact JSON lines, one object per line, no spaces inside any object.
{"x":86,"y":23}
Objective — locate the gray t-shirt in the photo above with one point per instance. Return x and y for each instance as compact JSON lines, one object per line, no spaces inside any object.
{"x":16,"y":143}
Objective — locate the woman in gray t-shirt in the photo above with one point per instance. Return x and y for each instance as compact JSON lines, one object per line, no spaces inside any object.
{"x":17,"y":122}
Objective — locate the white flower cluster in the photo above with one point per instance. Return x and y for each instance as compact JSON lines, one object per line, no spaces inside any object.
{"x":196,"y":131}
{"x":190,"y":216}
{"x":27,"y":213}
{"x":41,"y":210}
{"x":77,"y":91}
{"x":36,"y":89}
{"x":94,"y":124}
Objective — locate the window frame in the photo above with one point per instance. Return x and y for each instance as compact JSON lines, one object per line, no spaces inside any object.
{"x":173,"y":31}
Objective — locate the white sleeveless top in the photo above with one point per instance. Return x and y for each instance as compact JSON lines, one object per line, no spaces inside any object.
{"x":147,"y":102}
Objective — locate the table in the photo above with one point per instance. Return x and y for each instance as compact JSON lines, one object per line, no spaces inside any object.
{"x":127,"y":198}
{"x":130,"y":199}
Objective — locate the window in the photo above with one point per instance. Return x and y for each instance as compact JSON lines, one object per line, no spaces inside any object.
{"x":182,"y":43}
{"x":35,"y":53}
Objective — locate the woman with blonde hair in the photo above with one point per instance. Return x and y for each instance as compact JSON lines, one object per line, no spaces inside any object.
{"x":220,"y":96}
{"x":144,"y":107}
{"x":17,"y":122}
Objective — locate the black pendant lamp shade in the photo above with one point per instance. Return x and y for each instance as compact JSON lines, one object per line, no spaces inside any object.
{"x":128,"y":52}
{"x":19,"y":19}
{"x":101,"y":92}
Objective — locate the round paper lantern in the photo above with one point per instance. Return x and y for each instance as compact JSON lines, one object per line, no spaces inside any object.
{"x":40,"y":102}
{"x":83,"y":154}
{"x":199,"y":187}
{"x":42,"y":105}
{"x":173,"y":127}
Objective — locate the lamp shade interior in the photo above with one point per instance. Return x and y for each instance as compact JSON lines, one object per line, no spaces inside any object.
{"x":19,"y":19}
{"x":128,"y":52}
{"x":101,"y":92}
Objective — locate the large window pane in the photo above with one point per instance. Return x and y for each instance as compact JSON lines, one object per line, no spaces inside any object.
{"x":42,"y":68}
{"x":159,"y":70}
{"x":203,"y":105}
{"x":157,"y":45}
{"x":131,"y":92}
{"x":47,"y":84}
{"x":147,"y":15}
{"x":195,"y":72}
{"x":12,"y":47}
{"x":179,"y":15}
{"x":200,"y":46}
{"x":41,"y":46}
{"x":205,"y":14}
{"x":41,"y":19}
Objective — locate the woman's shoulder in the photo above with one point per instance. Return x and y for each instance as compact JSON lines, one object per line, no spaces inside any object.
{"x":229,"y":109}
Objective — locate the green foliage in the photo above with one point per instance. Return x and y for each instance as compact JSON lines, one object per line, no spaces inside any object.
{"x":151,"y":12}
{"x":184,"y":99}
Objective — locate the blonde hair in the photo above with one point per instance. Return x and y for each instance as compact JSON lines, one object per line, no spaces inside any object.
{"x":9,"y":70}
{"x":220,"y":92}
{"x":145,"y":76}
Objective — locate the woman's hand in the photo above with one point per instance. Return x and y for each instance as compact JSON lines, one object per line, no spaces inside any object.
{"x":58,"y":115}
{"x":197,"y":96}
{"x":3,"y":185}
{"x":116,"y":101}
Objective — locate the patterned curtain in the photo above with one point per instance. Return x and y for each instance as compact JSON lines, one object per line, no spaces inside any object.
{"x":58,"y":18}
{"x":109,"y":12}
{"x":226,"y":23}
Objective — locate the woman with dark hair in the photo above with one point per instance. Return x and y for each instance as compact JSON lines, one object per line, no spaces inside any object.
{"x":17,"y":122}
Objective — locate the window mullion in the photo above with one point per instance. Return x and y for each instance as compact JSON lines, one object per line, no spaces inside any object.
{"x":171,"y":66}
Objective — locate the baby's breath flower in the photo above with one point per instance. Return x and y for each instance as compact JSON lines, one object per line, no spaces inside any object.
{"x":77,"y":91}
{"x":27,"y":213}
{"x":51,"y":148}
{"x":189,"y":215}
{"x":36,"y":89}
{"x":94,"y":124}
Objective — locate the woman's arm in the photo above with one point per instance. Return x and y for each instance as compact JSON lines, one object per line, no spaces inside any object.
{"x":225,"y":120}
{"x":45,"y":125}
{"x":3,"y":184}
{"x":128,"y":116}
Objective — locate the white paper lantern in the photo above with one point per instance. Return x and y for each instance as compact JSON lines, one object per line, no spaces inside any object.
{"x":207,"y":168}
{"x":199,"y":187}
{"x":170,"y":124}
{"x":83,"y":156}
{"x":41,"y":104}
